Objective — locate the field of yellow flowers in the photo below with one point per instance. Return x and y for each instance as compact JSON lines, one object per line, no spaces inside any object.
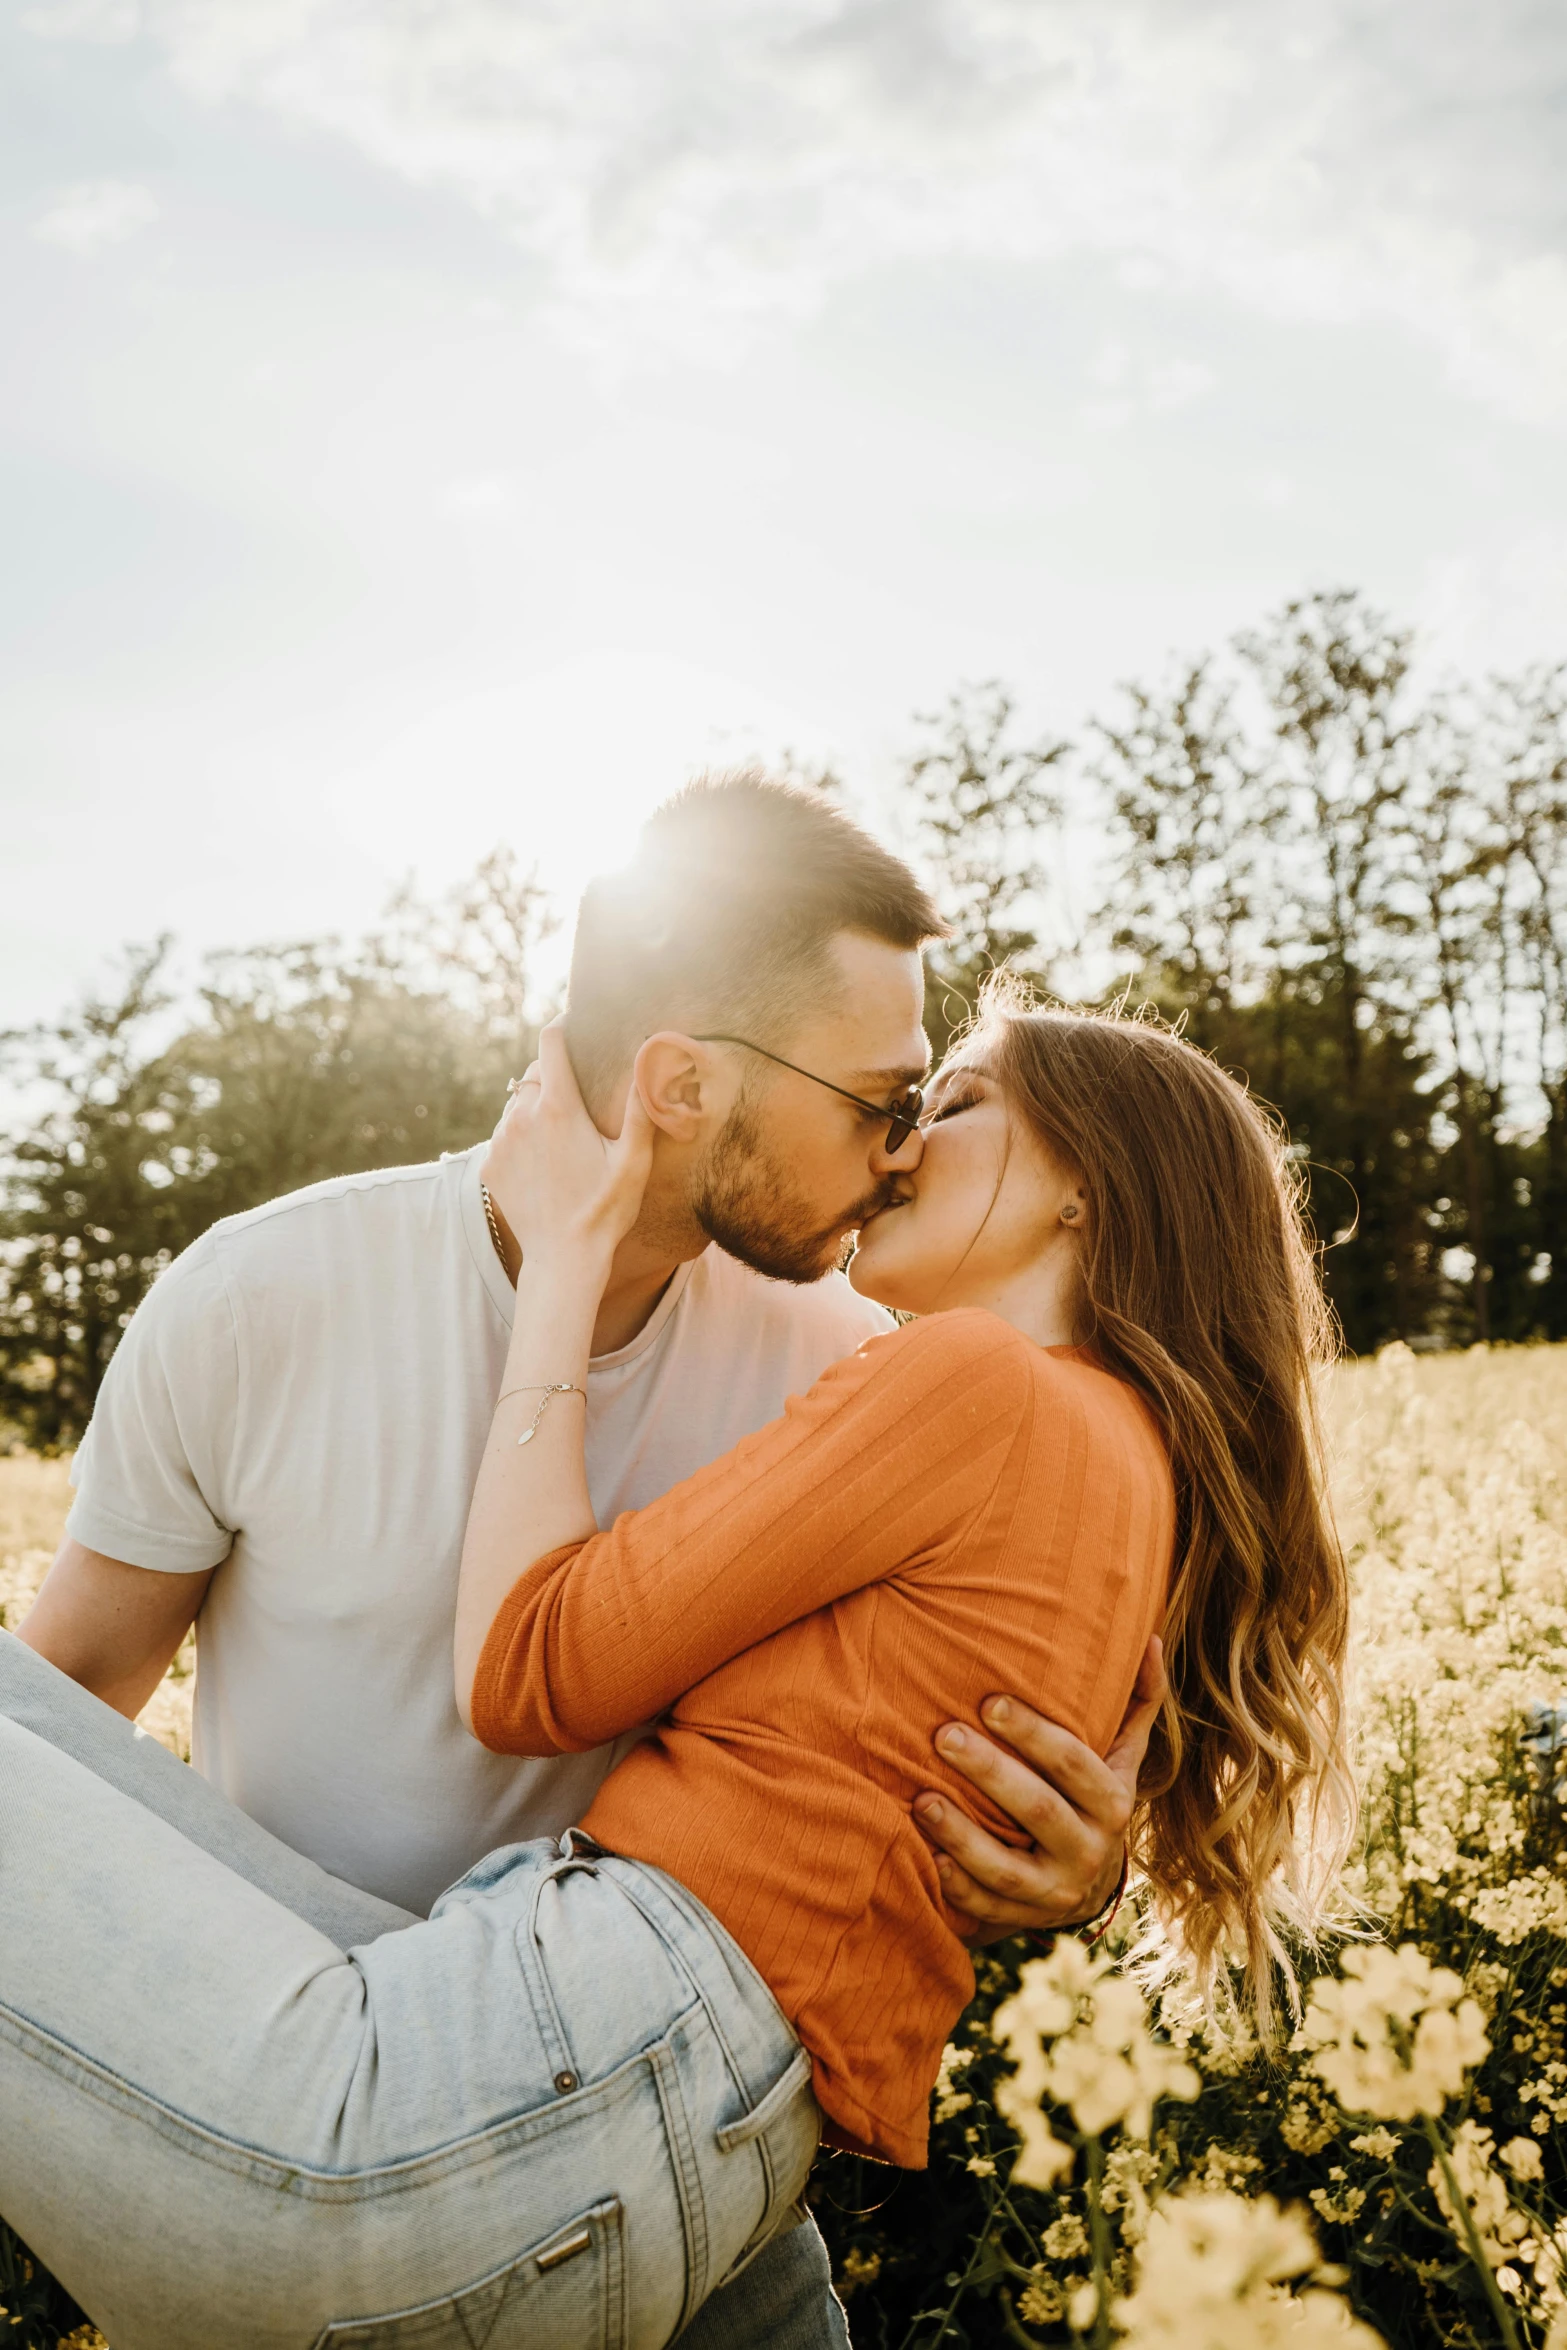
{"x":1109,"y":2176}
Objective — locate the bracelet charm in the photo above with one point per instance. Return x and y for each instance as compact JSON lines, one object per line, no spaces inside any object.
{"x":546,"y":1397}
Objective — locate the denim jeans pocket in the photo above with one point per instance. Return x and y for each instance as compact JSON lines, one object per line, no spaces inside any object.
{"x":567,"y":2292}
{"x":781,"y":2132}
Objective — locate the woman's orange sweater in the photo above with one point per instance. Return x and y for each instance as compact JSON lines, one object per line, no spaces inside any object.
{"x":949,"y":1512}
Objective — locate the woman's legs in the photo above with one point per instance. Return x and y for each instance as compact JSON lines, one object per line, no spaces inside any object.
{"x":52,"y":1705}
{"x":515,"y":2123}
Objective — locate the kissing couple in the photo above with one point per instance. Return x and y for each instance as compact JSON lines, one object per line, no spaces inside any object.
{"x":638,"y":1663}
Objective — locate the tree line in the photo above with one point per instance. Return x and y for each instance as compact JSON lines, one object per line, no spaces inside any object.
{"x":1348,"y":885}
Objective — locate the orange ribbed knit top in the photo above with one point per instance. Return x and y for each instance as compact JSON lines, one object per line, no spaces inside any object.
{"x":949,"y":1512}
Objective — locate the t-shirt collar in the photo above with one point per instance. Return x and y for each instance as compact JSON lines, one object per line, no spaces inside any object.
{"x":481,"y":1247}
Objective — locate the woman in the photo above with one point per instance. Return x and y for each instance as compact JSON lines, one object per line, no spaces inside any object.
{"x":1101,"y":1418}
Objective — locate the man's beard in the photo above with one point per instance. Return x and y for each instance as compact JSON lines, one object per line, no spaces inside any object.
{"x":745,"y":1201}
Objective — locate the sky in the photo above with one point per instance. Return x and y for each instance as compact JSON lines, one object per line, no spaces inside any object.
{"x":428,"y":426}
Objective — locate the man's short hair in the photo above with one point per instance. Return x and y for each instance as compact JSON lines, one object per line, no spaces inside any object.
{"x":723,"y":918}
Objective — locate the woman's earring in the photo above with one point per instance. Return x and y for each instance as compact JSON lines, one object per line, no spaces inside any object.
{"x":1069,"y":1213}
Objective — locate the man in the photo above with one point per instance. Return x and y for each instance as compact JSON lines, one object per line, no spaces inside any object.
{"x":289,"y":1433}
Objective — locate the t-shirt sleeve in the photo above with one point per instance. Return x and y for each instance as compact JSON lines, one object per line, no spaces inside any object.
{"x":151,"y":1471}
{"x":880,"y":1466}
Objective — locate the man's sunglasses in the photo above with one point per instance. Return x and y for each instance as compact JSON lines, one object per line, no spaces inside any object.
{"x":903,"y":1114}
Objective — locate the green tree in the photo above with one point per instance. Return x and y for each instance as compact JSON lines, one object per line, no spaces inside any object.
{"x":1528,"y":739}
{"x":1183,"y":790}
{"x":1332,"y":672}
{"x":83,"y":1232}
{"x":986,"y":815}
{"x":1252,"y":877}
{"x":302,"y":1062}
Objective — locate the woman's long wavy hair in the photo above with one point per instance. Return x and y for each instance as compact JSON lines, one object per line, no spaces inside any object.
{"x":1201,"y":1290}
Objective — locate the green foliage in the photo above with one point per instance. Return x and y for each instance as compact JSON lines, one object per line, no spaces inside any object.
{"x":1454,"y":1512}
{"x":940,"y":2257}
{"x":1354,"y":897}
{"x":984,"y":808}
{"x":1357,"y":899}
{"x":37,"y":2313}
{"x":304,"y":1062}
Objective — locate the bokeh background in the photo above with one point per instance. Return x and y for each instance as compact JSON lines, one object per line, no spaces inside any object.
{"x":1120,"y":447}
{"x":426,"y":426}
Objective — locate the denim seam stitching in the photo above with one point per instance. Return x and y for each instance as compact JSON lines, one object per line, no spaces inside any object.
{"x":401,"y":2175}
{"x":541,"y":1991}
{"x":605,"y":2221}
{"x":688,"y":2179}
{"x":647,"y":1910}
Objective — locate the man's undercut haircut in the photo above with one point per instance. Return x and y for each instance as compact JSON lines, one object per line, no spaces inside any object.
{"x":723,"y":920}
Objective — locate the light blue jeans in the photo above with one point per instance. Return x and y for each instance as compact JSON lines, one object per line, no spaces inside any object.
{"x":246,"y":2107}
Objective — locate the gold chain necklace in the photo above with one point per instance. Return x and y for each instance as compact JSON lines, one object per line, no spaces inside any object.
{"x":495,"y":1230}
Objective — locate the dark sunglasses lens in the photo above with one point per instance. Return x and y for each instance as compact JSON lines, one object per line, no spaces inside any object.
{"x":906,"y":1117}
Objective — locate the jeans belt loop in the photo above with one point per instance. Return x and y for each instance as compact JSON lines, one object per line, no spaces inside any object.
{"x":575,"y":1846}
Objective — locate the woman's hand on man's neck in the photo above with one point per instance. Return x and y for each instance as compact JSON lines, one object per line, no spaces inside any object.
{"x":640,"y":1273}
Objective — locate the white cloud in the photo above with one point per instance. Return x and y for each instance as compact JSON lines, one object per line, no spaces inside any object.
{"x":105,"y":22}
{"x":684,"y":166}
{"x":1133,"y":385}
{"x":1174,"y":383}
{"x":96,"y":213}
{"x":477,"y":497}
{"x":1497,"y":607}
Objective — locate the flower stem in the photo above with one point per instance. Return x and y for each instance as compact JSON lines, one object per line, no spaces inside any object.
{"x":1099,"y":2230}
{"x":1015,"y":2331}
{"x":1493,"y":2293}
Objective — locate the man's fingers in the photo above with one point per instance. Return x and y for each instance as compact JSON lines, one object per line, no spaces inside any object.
{"x":1093,"y":1791}
{"x":966,"y":1893}
{"x":977,"y":1917}
{"x":559,"y":1079}
{"x":1074,"y":1807}
{"x":637,"y":1130}
{"x":1125,"y":1757}
{"x":1003,"y":1887}
{"x":1049,"y":1814}
{"x":1006,"y":1873}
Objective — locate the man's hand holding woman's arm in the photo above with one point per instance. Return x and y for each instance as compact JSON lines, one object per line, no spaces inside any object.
{"x":1074,"y":1807}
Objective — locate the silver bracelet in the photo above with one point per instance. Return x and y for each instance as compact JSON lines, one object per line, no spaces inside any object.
{"x":559,"y":1387}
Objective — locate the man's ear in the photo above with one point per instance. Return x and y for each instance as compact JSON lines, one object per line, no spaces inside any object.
{"x":679,"y":1084}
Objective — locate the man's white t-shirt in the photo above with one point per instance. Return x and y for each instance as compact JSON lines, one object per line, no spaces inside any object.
{"x":304,"y":1397}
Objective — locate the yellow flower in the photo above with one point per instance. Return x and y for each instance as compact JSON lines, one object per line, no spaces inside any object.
{"x":1043,"y":2303}
{"x":1225,"y":2166}
{"x":858,"y":2268}
{"x":1104,"y":2063}
{"x":1210,"y":2278}
{"x":1522,"y":2157}
{"x":1338,"y":2202}
{"x":1310,"y":2120}
{"x":950,"y":2099}
{"x":1065,"y":2237}
{"x":1500,"y":2228}
{"x":1395,"y":2036}
{"x":1082,"y":2305}
{"x":1045,"y":2158}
